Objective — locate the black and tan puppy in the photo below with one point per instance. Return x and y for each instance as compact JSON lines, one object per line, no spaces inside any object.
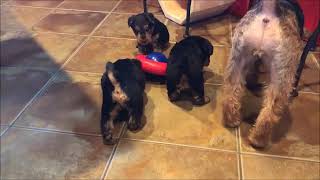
{"x":123,"y":85}
{"x":149,"y":31}
{"x":187,"y":58}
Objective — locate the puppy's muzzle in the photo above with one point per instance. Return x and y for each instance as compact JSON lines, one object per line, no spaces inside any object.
{"x":144,"y":39}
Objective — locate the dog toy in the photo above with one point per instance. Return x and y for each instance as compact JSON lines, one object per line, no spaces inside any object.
{"x":154,"y":63}
{"x":156,"y":56}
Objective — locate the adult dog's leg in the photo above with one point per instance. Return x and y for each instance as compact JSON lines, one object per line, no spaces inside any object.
{"x":276,"y":98}
{"x":136,"y":115}
{"x":234,"y":82}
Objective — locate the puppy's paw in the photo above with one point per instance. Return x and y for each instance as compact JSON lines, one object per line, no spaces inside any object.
{"x":231,"y":116}
{"x":200,"y":101}
{"x":133,"y":126}
{"x":175,"y":96}
{"x":108,"y":140}
{"x":258,"y":139}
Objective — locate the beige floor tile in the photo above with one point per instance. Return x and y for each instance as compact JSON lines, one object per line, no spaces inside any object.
{"x":41,"y":50}
{"x":36,"y":3}
{"x":136,"y":160}
{"x":71,"y":103}
{"x":20,"y":18}
{"x":176,"y":31}
{"x":218,"y":62}
{"x":216,"y":30}
{"x":94,"y":55}
{"x":67,"y":21}
{"x":116,"y":25}
{"x":298,"y":133}
{"x":184,"y":124}
{"x":258,"y":167}
{"x":95,"y":5}
{"x":18,"y":86}
{"x":136,"y":6}
{"x":40,"y":155}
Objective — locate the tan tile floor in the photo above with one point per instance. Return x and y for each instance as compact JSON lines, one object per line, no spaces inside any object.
{"x":52,"y":56}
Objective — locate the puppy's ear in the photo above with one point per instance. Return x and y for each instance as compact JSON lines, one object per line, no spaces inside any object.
{"x":131,"y":21}
{"x":207,"y":47}
{"x":150,"y":18}
{"x":111,"y":73}
{"x":109,"y":67}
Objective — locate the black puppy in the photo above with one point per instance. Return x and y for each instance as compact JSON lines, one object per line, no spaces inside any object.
{"x":187,"y":58}
{"x":123,"y":85}
{"x":149,"y":31}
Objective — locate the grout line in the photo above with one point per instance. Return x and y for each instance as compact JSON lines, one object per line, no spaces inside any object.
{"x":280,"y":156}
{"x":106,"y":167}
{"x":110,"y":37}
{"x":83,"y":10}
{"x":214,"y":84}
{"x":240,"y":153}
{"x":238,"y":168}
{"x":62,"y":33}
{"x":25,"y":6}
{"x":308,"y":92}
{"x":110,"y":161}
{"x":6,"y":129}
{"x":84,"y":72}
{"x":55,"y":131}
{"x":180,"y":145}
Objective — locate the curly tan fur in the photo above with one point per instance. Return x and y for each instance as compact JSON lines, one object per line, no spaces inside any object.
{"x":280,"y":56}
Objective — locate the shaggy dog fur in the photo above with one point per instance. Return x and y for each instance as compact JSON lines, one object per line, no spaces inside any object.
{"x":270,"y":33}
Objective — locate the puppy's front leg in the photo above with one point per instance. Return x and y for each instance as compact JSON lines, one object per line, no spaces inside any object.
{"x":196,"y":82}
{"x":173,"y":79}
{"x":136,"y":116}
{"x":107,"y":118}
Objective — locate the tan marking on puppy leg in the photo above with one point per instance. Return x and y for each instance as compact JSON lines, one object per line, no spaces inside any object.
{"x":117,"y":95}
{"x":112,"y":78}
{"x":113,"y":115}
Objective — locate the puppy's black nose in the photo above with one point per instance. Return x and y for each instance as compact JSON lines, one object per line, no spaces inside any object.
{"x":143,"y":36}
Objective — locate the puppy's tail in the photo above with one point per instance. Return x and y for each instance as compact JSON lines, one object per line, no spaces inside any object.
{"x":310,"y":44}
{"x":109,"y":66}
